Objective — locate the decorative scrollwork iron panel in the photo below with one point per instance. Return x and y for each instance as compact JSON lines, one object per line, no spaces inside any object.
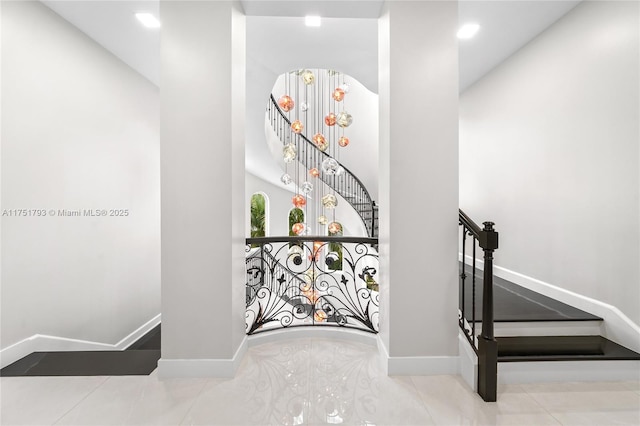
{"x":296,"y":283}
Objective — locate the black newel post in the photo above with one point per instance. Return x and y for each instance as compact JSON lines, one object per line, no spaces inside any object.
{"x":487,"y":345}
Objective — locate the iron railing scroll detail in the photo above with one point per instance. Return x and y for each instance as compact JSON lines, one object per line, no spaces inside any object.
{"x":347,"y":185}
{"x":485,"y":345}
{"x":311,"y":281}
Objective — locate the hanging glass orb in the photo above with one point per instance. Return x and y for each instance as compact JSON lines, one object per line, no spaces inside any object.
{"x":295,"y":254}
{"x":320,"y":141}
{"x":314,"y":172}
{"x":344,"y":119}
{"x":330,"y":166}
{"x":286,"y":179}
{"x":340,"y":171}
{"x":334,"y":228}
{"x":289,"y":152}
{"x":307,"y":77}
{"x":297,"y":126}
{"x":343,"y":141}
{"x":304,"y":106}
{"x":286,"y":103}
{"x":320,"y":316}
{"x":306,"y":187}
{"x":298,"y":201}
{"x":345,"y":87}
{"x":317,"y":247}
{"x":297,"y":228}
{"x":330,"y":119}
{"x":329,"y":201}
{"x":309,"y":278}
{"x":338,"y":94}
{"x":307,"y":229}
{"x":322,"y":220}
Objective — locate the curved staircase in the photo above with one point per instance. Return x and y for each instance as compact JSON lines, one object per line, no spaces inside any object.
{"x":347,"y":185}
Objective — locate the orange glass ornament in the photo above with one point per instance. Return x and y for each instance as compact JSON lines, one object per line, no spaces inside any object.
{"x":317,"y":245}
{"x":330,"y":119}
{"x":297,"y":228}
{"x":314,"y":172}
{"x":297,"y":126}
{"x":286,"y":103}
{"x":311,"y":295}
{"x":320,"y":141}
{"x":343,"y":141}
{"x":320,"y":316}
{"x":338,"y":94}
{"x":334,"y":228}
{"x":298,"y":201}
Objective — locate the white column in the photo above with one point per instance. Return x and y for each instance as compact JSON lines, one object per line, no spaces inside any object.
{"x":418,"y":83}
{"x":202,"y":178}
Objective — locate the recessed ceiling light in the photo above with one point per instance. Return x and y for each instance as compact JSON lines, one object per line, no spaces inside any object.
{"x":312,"y":21}
{"x":148,"y":20}
{"x":468,"y":30}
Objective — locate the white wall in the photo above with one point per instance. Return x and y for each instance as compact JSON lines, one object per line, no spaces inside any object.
{"x":418,"y":89}
{"x":549,"y":151}
{"x":203,"y":193}
{"x":80,"y":131}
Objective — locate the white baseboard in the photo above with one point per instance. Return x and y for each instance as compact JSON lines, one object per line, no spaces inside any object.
{"x":44,"y":343}
{"x":617,"y":326}
{"x":568,"y":371}
{"x":315,"y":332}
{"x":468,"y":362}
{"x":418,"y":365}
{"x":190,"y":368}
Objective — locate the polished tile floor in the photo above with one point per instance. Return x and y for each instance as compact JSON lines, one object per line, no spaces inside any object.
{"x":309,"y":381}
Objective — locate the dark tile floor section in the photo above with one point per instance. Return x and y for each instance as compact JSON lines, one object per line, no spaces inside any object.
{"x":141,"y":358}
{"x":513,"y":303}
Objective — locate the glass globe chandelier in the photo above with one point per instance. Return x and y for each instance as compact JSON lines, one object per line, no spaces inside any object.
{"x":315,"y":138}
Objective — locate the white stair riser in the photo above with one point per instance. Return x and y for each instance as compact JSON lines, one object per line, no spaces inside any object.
{"x":545,"y":328}
{"x":567,"y":371}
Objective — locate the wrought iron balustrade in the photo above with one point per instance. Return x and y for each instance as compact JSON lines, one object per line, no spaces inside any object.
{"x":311,"y":281}
{"x":484,"y":345}
{"x":347,"y":184}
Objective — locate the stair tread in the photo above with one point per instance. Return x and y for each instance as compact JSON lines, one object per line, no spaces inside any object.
{"x":514,"y":303}
{"x":561,"y":348}
{"x":85,"y":363}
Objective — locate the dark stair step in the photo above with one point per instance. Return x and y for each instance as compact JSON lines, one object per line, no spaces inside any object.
{"x":514,"y":303}
{"x":561,"y":348}
{"x":141,"y":358}
{"x":85,"y":363}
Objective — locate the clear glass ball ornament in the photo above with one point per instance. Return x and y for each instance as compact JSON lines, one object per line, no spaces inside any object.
{"x":306,"y":187}
{"x":286,"y":179}
{"x":330,"y":166}
{"x":329,"y":201}
{"x":344,"y":119}
{"x":289,"y":153}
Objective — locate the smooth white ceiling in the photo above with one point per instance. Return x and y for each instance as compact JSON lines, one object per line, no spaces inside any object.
{"x":326,"y":8}
{"x":114,"y":26}
{"x":505,"y":27}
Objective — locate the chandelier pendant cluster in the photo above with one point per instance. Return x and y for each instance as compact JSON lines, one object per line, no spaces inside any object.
{"x":314,"y":103}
